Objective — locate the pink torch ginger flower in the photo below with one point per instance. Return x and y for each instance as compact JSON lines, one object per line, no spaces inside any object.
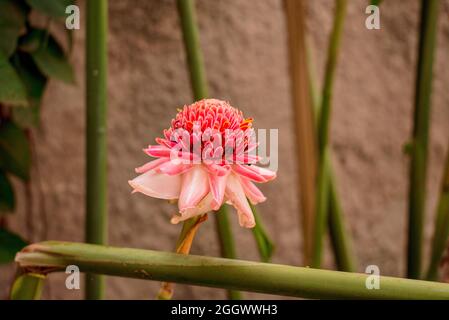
{"x":206,"y":158}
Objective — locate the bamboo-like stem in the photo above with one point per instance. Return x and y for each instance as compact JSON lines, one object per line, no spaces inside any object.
{"x":27,"y":286}
{"x":322,"y":203}
{"x":189,"y":26}
{"x":222,"y":273}
{"x":418,"y":167}
{"x":304,"y":121}
{"x":96,"y":150}
{"x":441,"y":233}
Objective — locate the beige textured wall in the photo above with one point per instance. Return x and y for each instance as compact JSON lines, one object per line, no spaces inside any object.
{"x":245,"y":50}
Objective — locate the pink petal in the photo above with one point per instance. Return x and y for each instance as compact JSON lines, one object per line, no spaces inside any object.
{"x":204,"y":206}
{"x":151,"y":165}
{"x":157,"y":185}
{"x":252,"y":192}
{"x":157,"y":151}
{"x":195,"y":186}
{"x":172,"y":168}
{"x":254,"y":173}
{"x":236,"y":195}
{"x":217,"y":186}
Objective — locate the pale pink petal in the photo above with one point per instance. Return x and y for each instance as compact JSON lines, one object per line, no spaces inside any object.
{"x":267,"y":174}
{"x":157,"y":185}
{"x":217,"y":189}
{"x":252,"y":192}
{"x":246,"y":172}
{"x":172,"y":168}
{"x":254,"y":173}
{"x":195,"y":186}
{"x":236,"y":195}
{"x":204,"y":206}
{"x":151,"y":165}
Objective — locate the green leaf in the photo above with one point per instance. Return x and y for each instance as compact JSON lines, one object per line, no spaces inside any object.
{"x":12,"y":90}
{"x":53,"y":8}
{"x":263,"y":241}
{"x":52,"y":61}
{"x":10,"y":244}
{"x":7,"y":200}
{"x":15,"y":155}
{"x":35,"y":83}
{"x":12,"y":22}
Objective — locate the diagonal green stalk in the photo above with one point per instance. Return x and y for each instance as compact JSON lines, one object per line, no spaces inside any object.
{"x":441,"y":233}
{"x":323,"y":180}
{"x":96,"y":150}
{"x":418,"y":167}
{"x":263,"y":241}
{"x":339,"y":236}
{"x":232,"y":274}
{"x":340,"y":239}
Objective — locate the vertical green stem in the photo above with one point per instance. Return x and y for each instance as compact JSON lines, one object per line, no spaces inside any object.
{"x":186,"y":10}
{"x":96,"y":151}
{"x":322,"y":202}
{"x":441,"y":233}
{"x":418,"y":167}
{"x":227,"y":244}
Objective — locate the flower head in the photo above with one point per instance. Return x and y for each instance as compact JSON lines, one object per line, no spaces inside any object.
{"x":206,"y":157}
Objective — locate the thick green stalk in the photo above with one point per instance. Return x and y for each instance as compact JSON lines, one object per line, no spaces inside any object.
{"x":418,"y":167}
{"x":27,"y":286}
{"x":322,"y":203}
{"x":189,"y":25}
{"x":96,"y":151}
{"x":223,"y":273}
{"x":441,"y":233}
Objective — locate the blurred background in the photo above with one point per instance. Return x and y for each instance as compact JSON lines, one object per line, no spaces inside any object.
{"x":246,"y":57}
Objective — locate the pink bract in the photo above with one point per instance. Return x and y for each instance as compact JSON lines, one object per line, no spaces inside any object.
{"x":206,"y":158}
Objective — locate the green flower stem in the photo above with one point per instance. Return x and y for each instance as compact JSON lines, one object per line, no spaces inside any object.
{"x":322,"y":203}
{"x":189,"y":26}
{"x":27,"y":286}
{"x":441,"y":233}
{"x":222,"y":273}
{"x":418,"y":167}
{"x":96,"y":151}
